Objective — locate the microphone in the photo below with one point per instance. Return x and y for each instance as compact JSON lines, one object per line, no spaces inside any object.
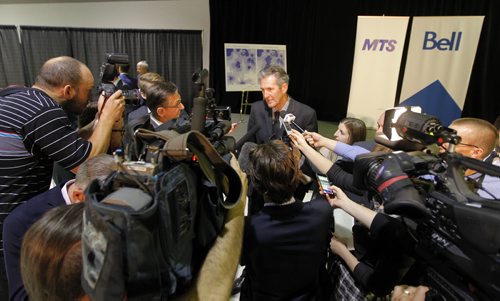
{"x":290,"y":119}
{"x":246,"y":137}
{"x":220,"y":129}
{"x":199,"y":114}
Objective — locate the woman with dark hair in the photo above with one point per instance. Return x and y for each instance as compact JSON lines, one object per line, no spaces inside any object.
{"x":350,"y":130}
{"x":51,"y":255}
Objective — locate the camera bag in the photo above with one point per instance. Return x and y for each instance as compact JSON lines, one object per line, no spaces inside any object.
{"x":149,"y":241}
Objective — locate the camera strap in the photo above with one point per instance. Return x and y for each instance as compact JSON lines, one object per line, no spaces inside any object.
{"x":181,"y":147}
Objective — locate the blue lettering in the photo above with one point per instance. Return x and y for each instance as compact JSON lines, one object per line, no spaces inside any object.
{"x":370,"y":46}
{"x":391,"y":46}
{"x":382,"y":44}
{"x":431,"y":39}
{"x":451,"y":44}
{"x":379,"y":45}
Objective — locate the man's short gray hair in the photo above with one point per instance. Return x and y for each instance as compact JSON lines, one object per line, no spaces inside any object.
{"x":278,"y":72}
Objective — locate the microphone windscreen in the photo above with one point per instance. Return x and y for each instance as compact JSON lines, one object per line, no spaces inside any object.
{"x":199,"y":114}
{"x":243,"y":159}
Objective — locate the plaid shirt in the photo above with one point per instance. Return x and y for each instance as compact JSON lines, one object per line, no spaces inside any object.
{"x":343,"y":284}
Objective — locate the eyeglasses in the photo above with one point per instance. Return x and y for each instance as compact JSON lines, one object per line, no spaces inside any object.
{"x":465,"y":144}
{"x":177,"y":104}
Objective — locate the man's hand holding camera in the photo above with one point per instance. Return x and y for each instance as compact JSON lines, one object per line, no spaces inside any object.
{"x":111,"y":108}
{"x":110,"y":115}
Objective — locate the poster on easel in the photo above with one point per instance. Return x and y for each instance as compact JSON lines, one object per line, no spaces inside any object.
{"x":244,"y":61}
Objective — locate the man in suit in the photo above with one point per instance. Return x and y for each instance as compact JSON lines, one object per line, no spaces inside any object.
{"x":166,"y":113}
{"x":285,"y":244}
{"x":266,"y":121}
{"x":145,"y":81}
{"x":265,"y":117}
{"x":19,"y":221}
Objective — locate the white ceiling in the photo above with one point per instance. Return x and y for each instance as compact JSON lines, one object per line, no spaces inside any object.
{"x":60,"y":1}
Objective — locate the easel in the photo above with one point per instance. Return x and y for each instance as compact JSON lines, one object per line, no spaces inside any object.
{"x":244,"y":104}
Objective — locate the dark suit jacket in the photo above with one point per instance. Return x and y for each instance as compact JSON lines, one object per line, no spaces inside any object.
{"x":133,"y":146}
{"x":261,"y":116}
{"x":128,"y":81}
{"x":284,"y":251}
{"x":14,"y":228}
{"x":138,"y":113}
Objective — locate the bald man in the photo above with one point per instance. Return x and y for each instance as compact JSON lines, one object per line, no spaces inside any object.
{"x":479,"y":138}
{"x":35,"y":131}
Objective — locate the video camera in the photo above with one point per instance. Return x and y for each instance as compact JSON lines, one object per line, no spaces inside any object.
{"x":212,"y":120}
{"x":456,"y":232}
{"x":108,"y":73}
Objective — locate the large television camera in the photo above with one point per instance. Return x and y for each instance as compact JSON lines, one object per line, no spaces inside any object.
{"x":108,"y":73}
{"x":456,"y":232}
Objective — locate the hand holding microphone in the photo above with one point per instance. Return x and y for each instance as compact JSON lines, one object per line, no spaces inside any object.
{"x":314,"y":139}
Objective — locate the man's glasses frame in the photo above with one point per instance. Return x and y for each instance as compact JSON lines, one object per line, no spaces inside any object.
{"x":174,"y":106}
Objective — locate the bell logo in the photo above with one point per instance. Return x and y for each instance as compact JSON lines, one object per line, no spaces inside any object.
{"x":451,"y":44}
{"x":379,"y":45}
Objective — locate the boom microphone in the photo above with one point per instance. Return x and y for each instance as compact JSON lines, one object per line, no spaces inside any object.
{"x":199,"y":114}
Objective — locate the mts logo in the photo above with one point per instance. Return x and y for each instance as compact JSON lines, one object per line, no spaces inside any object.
{"x":379,"y":45}
{"x":451,"y":44}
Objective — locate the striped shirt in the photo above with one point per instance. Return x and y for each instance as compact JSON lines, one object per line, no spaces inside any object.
{"x":34,"y":132}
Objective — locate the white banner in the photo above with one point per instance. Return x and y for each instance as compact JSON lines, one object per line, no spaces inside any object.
{"x":377,"y":60}
{"x":440,"y":58}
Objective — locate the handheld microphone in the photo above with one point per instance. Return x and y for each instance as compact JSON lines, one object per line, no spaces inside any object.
{"x":290,"y":119}
{"x":199,"y":114}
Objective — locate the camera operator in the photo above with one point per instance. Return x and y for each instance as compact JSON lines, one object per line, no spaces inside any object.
{"x":36,"y":127}
{"x":479,"y":139}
